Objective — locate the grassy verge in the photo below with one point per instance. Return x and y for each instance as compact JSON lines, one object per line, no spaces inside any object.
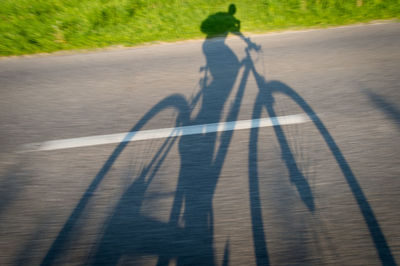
{"x":32,"y":26}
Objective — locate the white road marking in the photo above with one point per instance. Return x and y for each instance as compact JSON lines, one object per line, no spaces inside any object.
{"x":164,"y":133}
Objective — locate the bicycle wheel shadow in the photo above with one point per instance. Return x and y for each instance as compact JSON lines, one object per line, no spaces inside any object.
{"x":266,"y":100}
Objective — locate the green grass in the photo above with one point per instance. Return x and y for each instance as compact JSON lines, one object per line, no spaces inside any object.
{"x":32,"y":26}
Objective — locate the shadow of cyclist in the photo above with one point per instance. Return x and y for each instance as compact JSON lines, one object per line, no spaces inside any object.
{"x":203,"y":155}
{"x":127,"y":231}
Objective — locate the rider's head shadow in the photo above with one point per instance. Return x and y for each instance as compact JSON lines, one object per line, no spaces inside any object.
{"x":221,"y":23}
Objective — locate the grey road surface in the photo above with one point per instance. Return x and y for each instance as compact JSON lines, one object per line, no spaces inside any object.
{"x":322,"y":192}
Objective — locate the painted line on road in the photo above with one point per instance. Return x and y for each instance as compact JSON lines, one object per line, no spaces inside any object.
{"x":164,"y":133}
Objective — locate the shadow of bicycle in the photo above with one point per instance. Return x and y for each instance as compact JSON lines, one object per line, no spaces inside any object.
{"x":188,"y":236}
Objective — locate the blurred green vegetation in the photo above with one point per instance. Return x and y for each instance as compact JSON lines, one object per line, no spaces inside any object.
{"x":32,"y":26}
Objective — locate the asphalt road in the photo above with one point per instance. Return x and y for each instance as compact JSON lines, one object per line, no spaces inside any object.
{"x":320,"y":192}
